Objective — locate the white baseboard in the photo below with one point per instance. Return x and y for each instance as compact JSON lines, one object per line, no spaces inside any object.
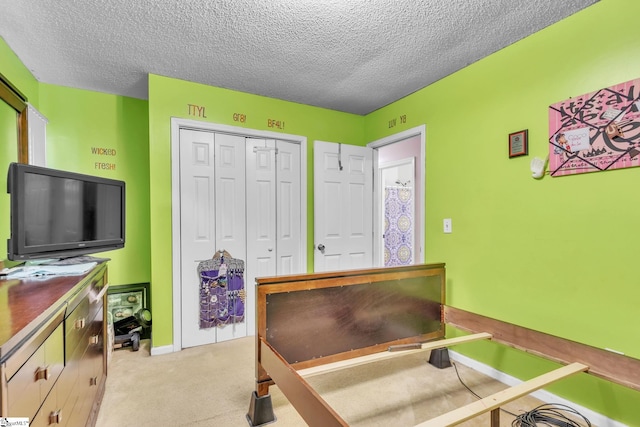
{"x":594,"y":417}
{"x":166,"y":349}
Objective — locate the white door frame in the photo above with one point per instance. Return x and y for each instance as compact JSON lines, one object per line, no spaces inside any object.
{"x":419,"y":198}
{"x":176,"y":125}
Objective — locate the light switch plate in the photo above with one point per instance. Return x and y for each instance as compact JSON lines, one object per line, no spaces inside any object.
{"x":446,"y":225}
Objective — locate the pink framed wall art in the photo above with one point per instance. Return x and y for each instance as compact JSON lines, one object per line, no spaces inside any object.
{"x":596,"y":131}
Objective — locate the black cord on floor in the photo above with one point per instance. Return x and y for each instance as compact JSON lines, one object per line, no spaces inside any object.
{"x":473,"y":392}
{"x":549,"y":414}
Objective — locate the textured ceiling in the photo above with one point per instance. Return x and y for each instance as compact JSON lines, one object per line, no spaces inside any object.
{"x":346,"y":55}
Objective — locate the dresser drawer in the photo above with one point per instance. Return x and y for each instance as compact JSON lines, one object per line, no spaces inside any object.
{"x":84,"y":309}
{"x":49,"y":413}
{"x":29,"y":387}
{"x":76,"y":325}
{"x":78,"y":381}
{"x":93,"y":360}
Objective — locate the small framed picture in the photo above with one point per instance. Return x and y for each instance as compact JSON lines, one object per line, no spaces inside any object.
{"x":518,"y":144}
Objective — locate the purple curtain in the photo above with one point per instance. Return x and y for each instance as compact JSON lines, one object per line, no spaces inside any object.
{"x":398,"y":226}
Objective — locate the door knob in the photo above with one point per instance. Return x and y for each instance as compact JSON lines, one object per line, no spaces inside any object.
{"x":321,"y":248}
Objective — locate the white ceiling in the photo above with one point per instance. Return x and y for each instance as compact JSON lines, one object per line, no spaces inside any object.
{"x":347,"y":55}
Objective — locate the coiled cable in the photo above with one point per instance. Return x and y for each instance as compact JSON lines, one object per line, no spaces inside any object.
{"x":548,"y":414}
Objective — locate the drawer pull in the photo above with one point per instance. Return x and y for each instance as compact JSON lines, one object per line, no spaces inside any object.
{"x":93,"y":381}
{"x":94,"y":339}
{"x":55,"y":417}
{"x":43,"y":374}
{"x":80,"y":323}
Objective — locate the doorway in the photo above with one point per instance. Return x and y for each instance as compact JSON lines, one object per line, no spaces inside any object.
{"x":348,"y":224}
{"x":240,"y":191}
{"x":389,"y":152}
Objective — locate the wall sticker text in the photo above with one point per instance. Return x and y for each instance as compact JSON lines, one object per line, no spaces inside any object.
{"x":100,"y":151}
{"x":393,"y":122}
{"x":105,"y":166}
{"x":196,"y":110}
{"x":278,"y":124}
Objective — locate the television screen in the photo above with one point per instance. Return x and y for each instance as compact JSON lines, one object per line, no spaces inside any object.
{"x":58,"y":214}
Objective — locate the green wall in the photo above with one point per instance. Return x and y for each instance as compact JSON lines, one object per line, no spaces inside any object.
{"x":79,"y":120}
{"x":171,"y":98}
{"x":555,"y":254}
{"x":551,"y":254}
{"x":14,"y":71}
{"x":81,"y":123}
{"x":20,"y":77}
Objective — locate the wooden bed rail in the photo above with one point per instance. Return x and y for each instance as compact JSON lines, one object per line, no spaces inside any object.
{"x":311,"y":407}
{"x":613,"y":367}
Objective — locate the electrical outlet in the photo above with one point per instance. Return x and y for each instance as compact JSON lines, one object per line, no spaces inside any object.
{"x":446,"y":225}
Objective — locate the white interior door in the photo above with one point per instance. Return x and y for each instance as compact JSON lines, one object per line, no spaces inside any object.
{"x":261,"y":215}
{"x":273,"y":211}
{"x":343,"y":206}
{"x":289,"y":209}
{"x":212,"y":209}
{"x":230,"y":213}
{"x":197,"y":192}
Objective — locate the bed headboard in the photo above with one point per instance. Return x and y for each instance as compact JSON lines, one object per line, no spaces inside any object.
{"x":319,"y":318}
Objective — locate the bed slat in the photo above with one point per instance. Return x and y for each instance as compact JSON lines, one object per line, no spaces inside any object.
{"x":375,"y":357}
{"x":498,"y":399}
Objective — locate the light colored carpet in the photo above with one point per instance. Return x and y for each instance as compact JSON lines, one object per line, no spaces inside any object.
{"x":212,"y":385}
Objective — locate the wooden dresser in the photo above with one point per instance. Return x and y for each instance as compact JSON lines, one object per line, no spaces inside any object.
{"x":52,"y":353}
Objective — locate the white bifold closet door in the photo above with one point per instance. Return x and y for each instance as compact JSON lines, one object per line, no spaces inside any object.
{"x":241,"y":195}
{"x":273,"y":204}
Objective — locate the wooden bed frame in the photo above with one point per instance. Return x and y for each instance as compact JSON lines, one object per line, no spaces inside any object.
{"x":315,"y":323}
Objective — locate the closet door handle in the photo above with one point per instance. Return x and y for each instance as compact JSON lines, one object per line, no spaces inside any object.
{"x":321,"y":248}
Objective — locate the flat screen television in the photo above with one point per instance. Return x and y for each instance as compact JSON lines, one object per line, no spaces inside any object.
{"x":60,"y":214}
